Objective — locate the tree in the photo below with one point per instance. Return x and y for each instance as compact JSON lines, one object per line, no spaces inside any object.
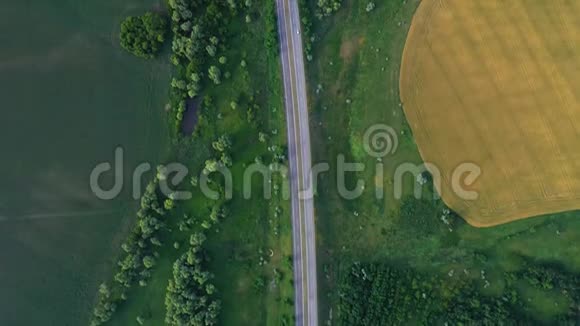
{"x":211,"y":166}
{"x":327,"y":7}
{"x":215,"y":74}
{"x":271,"y":28}
{"x":178,"y":84}
{"x":233,"y":6}
{"x":144,"y":35}
{"x":262,"y":137}
{"x":103,"y":311}
{"x":222,"y":144}
{"x":168,"y":204}
{"x":188,"y":299}
{"x":155,"y":241}
{"x":186,"y":27}
{"x":148,"y":261}
{"x":211,"y":50}
{"x":194,"y":180}
{"x":206,"y":224}
{"x":161,"y":172}
{"x":226,"y":160}
{"x":197,"y":239}
{"x":104,"y":290}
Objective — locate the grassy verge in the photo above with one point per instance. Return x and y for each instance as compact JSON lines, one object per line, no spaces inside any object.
{"x":354,"y":80}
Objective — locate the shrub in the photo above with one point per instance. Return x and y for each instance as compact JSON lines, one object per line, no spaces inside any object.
{"x":144,"y":35}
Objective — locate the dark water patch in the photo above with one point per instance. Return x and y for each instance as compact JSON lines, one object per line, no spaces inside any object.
{"x":190,"y":116}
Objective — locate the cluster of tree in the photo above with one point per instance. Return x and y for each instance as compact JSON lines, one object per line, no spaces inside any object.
{"x":180,"y":108}
{"x":139,"y":255}
{"x":190,"y":297}
{"x":548,"y":276}
{"x":469,"y":306}
{"x":198,"y":26}
{"x":222,"y":146}
{"x":105,"y":307}
{"x":217,"y":214}
{"x":144,"y":35}
{"x":373,"y":294}
{"x":200,"y":37}
{"x":327,"y":7}
{"x":419,"y":216}
{"x":378,"y":294}
{"x":199,"y":40}
{"x":278,"y":153}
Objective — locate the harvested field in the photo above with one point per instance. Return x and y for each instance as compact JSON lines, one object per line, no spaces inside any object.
{"x":497,"y":83}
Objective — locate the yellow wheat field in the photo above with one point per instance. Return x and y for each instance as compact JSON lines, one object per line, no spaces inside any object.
{"x":497,"y":83}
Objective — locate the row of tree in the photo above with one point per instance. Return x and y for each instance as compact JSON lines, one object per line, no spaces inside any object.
{"x":271,"y":27}
{"x":139,"y":254}
{"x":306,"y":20}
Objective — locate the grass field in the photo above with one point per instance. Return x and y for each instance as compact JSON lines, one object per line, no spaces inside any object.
{"x":503,"y":76}
{"x":249,"y":251}
{"x":356,"y":62}
{"x":70,"y":96}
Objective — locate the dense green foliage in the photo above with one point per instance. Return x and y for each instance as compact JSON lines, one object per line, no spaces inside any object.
{"x":144,"y":35}
{"x":306,"y":22}
{"x":199,"y":34}
{"x":377,"y":294}
{"x":189,"y":293}
{"x":419,"y":217}
{"x":271,"y":28}
{"x":327,"y":7}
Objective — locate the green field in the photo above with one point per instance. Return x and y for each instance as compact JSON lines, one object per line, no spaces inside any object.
{"x":70,"y":96}
{"x":356,"y":70}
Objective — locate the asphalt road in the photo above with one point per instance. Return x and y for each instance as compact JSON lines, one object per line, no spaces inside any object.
{"x":299,"y":157}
